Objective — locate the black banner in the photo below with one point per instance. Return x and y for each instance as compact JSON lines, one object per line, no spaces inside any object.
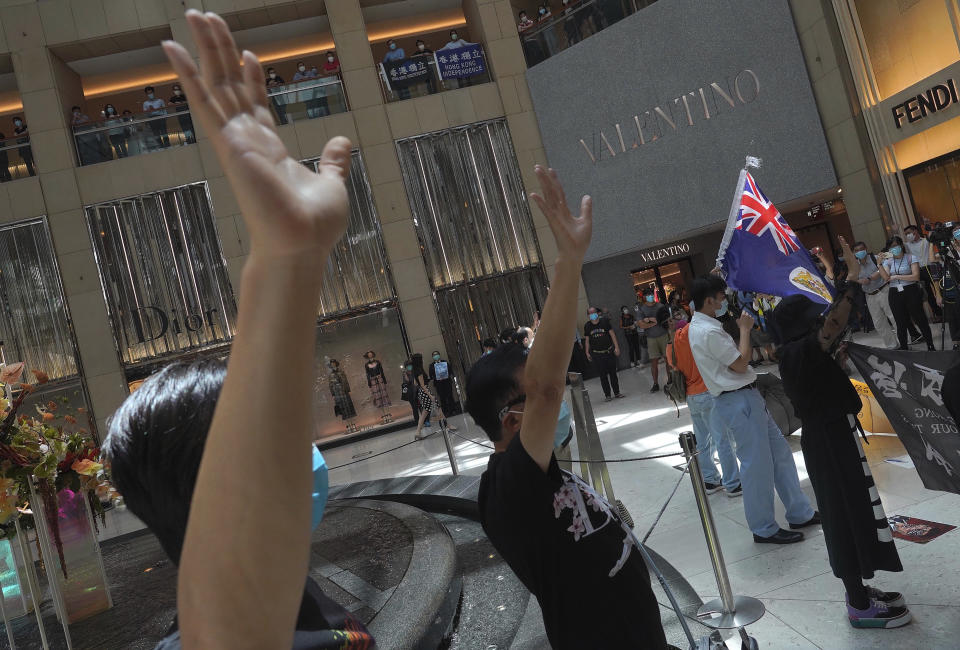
{"x":907,"y":386}
{"x":406,"y":72}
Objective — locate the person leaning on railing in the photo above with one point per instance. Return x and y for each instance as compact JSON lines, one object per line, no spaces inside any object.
{"x":4,"y":161}
{"x":424,"y":52}
{"x":276,"y":81}
{"x":117,"y":135}
{"x":22,"y":135}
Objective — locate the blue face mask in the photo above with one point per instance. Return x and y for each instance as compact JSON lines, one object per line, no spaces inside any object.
{"x":649,"y":298}
{"x":860,"y":254}
{"x":321,"y":488}
{"x":393,"y":46}
{"x":594,"y":317}
{"x":896,"y":251}
{"x":723,"y":308}
{"x":956,"y":235}
{"x":563,"y":424}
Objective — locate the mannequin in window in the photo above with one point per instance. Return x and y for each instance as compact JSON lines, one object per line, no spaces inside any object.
{"x":340,"y":389}
{"x":377,"y":382}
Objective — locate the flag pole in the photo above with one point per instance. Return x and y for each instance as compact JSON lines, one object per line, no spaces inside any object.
{"x":732,"y":218}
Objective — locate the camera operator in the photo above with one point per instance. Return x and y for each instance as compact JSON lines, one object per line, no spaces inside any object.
{"x":946,"y":241}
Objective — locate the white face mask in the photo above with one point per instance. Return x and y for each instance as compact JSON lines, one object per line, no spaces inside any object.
{"x":453,"y":37}
{"x":273,"y":75}
{"x":911,"y":237}
{"x":331,"y":59}
{"x":302,"y":68}
{"x":17,"y":122}
{"x":110,"y":110}
{"x":421,"y":47}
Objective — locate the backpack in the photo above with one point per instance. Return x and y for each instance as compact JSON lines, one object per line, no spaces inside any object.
{"x":676,"y":386}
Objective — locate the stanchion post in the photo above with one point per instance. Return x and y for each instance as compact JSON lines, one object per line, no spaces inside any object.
{"x":729,"y":611}
{"x":453,"y":458}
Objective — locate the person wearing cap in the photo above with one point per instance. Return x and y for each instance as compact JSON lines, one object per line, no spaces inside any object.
{"x":739,"y":410}
{"x":855,"y":529}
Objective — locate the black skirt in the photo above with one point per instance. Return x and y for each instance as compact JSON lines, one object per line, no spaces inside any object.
{"x":855,"y":528}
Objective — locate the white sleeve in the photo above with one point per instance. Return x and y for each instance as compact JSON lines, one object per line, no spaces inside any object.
{"x":721,"y":347}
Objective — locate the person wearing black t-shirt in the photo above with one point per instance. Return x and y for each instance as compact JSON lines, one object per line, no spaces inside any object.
{"x":563,"y":540}
{"x":603,"y":350}
{"x":629,"y":326}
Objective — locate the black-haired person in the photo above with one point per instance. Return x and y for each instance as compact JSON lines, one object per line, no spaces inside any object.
{"x":654,"y":320}
{"x":118,"y":134}
{"x":5,"y":174}
{"x":563,"y":540}
{"x":875,"y":292}
{"x":507,"y":334}
{"x":441,"y":375}
{"x":947,"y":291}
{"x":155,"y":107}
{"x":262,"y":422}
{"x":921,"y":248}
{"x":409,"y":389}
{"x":739,"y":410}
{"x":425,"y":53}
{"x":602,"y":350}
{"x":902,"y":271}
{"x":274,"y":84}
{"x":179,"y":101}
{"x":489,"y":345}
{"x":629,"y":326}
{"x":855,"y":528}
{"x":425,"y":399}
{"x":22,"y":135}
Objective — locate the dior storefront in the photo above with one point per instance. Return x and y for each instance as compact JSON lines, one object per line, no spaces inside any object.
{"x":169,"y":298}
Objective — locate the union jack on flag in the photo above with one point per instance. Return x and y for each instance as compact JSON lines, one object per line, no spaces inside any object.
{"x":759,"y":216}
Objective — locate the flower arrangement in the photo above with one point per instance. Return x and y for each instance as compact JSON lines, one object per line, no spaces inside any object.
{"x":51,"y":448}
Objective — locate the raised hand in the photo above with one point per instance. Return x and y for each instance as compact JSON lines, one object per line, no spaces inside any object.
{"x":290,"y":211}
{"x":571,"y":233}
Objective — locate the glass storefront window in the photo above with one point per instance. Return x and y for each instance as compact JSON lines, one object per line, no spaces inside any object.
{"x":935,"y":189}
{"x":468,"y":203}
{"x":163,"y":275}
{"x":357,"y":274}
{"x":907,"y":40}
{"x":34,"y":325}
{"x":346,"y":340}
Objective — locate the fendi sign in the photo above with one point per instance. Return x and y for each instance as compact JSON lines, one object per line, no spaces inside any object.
{"x":918,"y":107}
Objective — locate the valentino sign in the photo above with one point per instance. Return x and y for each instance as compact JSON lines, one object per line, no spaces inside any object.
{"x":934,"y":99}
{"x":649,"y":126}
{"x":657,"y":254}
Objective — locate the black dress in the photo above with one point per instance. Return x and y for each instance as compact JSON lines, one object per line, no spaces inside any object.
{"x":855,"y":526}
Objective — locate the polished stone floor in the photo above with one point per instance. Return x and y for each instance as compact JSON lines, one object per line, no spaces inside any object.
{"x":804,"y":601}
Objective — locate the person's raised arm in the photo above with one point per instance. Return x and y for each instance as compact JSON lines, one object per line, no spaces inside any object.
{"x":745,"y":323}
{"x":246,"y":554}
{"x":835,"y":322}
{"x":545,"y":371}
{"x":827,"y":263}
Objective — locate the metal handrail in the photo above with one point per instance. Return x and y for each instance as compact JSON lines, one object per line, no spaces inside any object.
{"x":12,"y":147}
{"x":125,"y":122}
{"x":556,"y":19}
{"x":329,"y":80}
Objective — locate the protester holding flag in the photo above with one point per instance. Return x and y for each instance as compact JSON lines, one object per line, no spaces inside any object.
{"x":902,"y":271}
{"x":766,"y":460}
{"x":858,"y":538}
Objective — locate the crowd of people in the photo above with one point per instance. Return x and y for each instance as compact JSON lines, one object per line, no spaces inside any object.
{"x":549,"y":32}
{"x":424,"y":53}
{"x":563,"y":540}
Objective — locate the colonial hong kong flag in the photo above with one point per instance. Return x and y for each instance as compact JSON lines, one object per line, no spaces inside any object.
{"x":760,"y":252}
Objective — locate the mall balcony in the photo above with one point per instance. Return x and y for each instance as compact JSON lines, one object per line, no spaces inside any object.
{"x":16,"y":155}
{"x":424,"y":54}
{"x":545,"y":35}
{"x":130,"y":103}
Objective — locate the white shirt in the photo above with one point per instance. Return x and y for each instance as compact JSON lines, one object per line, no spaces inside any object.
{"x":902,"y":266}
{"x":919,"y":249}
{"x":153,"y":106}
{"x":713,"y":351}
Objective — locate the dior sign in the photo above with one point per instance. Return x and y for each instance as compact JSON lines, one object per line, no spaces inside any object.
{"x":650,"y":125}
{"x":151,"y":323}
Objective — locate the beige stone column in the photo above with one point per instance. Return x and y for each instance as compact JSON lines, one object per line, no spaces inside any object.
{"x":495,"y":21}
{"x":374,"y":135}
{"x":48,"y":87}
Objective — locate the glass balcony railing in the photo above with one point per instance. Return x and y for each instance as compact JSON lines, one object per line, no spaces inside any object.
{"x":132,"y":135}
{"x":445,"y":69}
{"x":306,"y":100}
{"x":575,"y":22}
{"x":16,"y":159}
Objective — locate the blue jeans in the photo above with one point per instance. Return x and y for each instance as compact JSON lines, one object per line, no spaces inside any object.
{"x":766,"y":461}
{"x":710,"y":439}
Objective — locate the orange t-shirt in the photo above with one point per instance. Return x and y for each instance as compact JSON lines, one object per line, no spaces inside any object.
{"x":685,"y":362}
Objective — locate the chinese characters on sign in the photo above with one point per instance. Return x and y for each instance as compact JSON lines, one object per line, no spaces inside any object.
{"x":407,"y":72}
{"x":461,"y":62}
{"x":907,"y":386}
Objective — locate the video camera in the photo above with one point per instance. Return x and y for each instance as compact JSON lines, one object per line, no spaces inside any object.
{"x":941,"y":236}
